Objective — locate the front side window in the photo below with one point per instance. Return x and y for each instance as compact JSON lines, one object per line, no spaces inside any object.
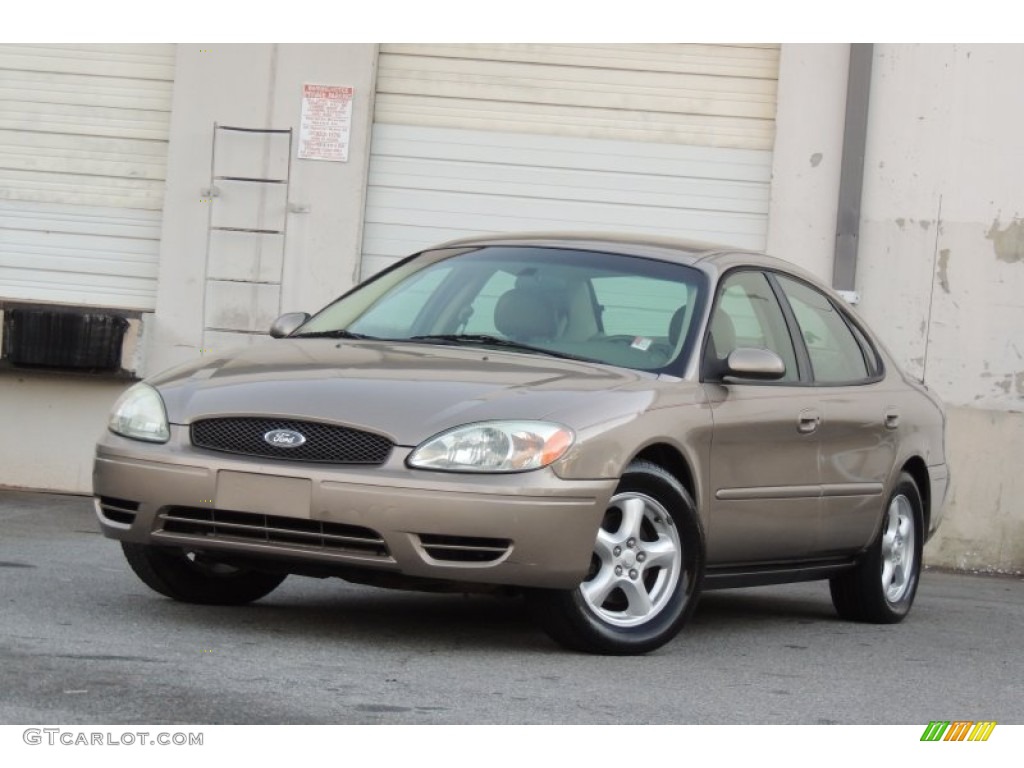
{"x":836,"y":356}
{"x":748,"y":315}
{"x":621,"y":310}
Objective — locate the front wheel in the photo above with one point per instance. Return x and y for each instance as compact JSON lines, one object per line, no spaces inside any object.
{"x":645,"y":572}
{"x":191,"y":577}
{"x":882,"y":586}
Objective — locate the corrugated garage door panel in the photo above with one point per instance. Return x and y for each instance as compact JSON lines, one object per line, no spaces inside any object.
{"x":740,"y":60}
{"x":428,"y":185}
{"x":83,"y":155}
{"x":153,"y":62}
{"x":703,"y":95}
{"x":85,"y":125}
{"x":79,"y":254}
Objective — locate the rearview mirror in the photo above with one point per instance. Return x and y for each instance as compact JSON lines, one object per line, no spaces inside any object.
{"x":750,"y":363}
{"x":287,"y":323}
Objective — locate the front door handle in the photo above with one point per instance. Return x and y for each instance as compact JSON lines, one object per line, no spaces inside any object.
{"x":808,"y":421}
{"x":892,"y":419}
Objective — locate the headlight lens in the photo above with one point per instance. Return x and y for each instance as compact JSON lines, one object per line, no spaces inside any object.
{"x":494,"y":446}
{"x":139,"y":414}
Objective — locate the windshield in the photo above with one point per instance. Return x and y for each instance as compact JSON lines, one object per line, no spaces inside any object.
{"x":621,"y":310}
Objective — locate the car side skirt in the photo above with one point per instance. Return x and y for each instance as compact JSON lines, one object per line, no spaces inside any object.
{"x":764,"y":574}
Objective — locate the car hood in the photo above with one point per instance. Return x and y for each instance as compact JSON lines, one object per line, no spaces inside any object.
{"x":406,"y":391}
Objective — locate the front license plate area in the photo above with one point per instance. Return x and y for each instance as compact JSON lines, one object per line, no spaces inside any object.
{"x":264,"y":494}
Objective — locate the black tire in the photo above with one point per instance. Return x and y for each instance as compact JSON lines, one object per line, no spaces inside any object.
{"x":652,"y":533}
{"x":189,"y":578}
{"x":882,"y":586}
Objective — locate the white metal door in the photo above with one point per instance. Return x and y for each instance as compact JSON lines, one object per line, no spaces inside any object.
{"x":664,"y":139}
{"x":83,"y":155}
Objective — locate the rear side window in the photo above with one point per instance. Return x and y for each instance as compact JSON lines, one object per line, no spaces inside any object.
{"x":836,"y":355}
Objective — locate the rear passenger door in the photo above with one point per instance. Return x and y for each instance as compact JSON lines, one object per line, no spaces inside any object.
{"x":859,"y":425}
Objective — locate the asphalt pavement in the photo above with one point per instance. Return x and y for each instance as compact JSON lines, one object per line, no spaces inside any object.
{"x":83,"y":641}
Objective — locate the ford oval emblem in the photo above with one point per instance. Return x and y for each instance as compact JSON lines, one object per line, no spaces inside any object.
{"x":284,"y":438}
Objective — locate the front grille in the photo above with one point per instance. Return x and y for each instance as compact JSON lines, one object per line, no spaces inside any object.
{"x":226,"y":525}
{"x":464,"y":549}
{"x":325,"y":443}
{"x":119,"y":510}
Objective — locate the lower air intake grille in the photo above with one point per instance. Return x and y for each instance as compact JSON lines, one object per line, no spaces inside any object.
{"x":119,"y":510}
{"x":464,"y":549}
{"x":225,"y":525}
{"x":325,"y":443}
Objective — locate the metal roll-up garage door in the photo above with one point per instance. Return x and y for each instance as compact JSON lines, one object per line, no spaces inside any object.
{"x":83,"y":155}
{"x":664,"y":139}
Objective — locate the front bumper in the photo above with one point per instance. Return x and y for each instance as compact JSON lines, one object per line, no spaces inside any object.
{"x":532,"y":529}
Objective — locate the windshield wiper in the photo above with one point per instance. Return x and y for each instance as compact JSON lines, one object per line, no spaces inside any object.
{"x":338,"y":333}
{"x":494,"y":341}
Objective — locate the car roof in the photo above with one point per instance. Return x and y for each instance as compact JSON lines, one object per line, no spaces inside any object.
{"x":686,"y":251}
{"x":716,"y":256}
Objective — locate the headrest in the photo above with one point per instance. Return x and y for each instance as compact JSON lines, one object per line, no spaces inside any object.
{"x":524,"y":313}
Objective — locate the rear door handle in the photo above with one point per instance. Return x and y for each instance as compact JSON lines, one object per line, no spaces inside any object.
{"x":892,"y":419}
{"x":808,"y":421}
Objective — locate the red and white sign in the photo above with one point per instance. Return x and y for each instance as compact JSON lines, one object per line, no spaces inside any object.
{"x":326,"y":122}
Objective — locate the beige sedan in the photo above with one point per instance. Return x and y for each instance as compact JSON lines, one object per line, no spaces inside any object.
{"x":608,"y":425}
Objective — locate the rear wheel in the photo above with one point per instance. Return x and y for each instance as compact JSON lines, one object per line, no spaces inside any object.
{"x":881,"y":588}
{"x":191,"y":577}
{"x":645,"y":571}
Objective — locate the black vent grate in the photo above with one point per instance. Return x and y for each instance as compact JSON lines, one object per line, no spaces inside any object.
{"x":220,"y":524}
{"x":58,"y":338}
{"x":325,"y":443}
{"x":119,"y":510}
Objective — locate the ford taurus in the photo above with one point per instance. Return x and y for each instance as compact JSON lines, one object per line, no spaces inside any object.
{"x":608,"y":425}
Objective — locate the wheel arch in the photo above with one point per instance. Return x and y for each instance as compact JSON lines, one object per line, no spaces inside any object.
{"x":917,"y":469}
{"x":672,"y":460}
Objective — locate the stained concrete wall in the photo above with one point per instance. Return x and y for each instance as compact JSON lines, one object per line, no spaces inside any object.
{"x":942,"y":269}
{"x":941,"y":261}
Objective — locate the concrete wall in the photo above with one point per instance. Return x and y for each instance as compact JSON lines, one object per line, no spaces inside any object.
{"x":56,"y":421}
{"x":942,"y":269}
{"x":941,"y":265}
{"x":811,"y":107}
{"x":257,"y":86}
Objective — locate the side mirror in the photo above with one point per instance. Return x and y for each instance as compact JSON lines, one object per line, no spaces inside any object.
{"x":287,"y":323}
{"x":749,"y":363}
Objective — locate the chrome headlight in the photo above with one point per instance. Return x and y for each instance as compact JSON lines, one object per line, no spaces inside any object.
{"x":494,"y":446}
{"x":139,"y":414}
